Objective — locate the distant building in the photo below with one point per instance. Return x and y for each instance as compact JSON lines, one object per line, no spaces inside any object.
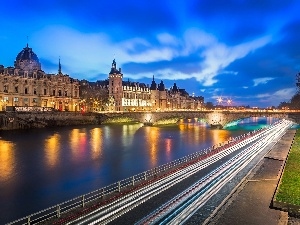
{"x":158,"y":96}
{"x":180,"y":99}
{"x":126,"y":95}
{"x":93,"y":95}
{"x":26,"y":84}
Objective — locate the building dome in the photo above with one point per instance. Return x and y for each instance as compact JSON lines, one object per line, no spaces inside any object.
{"x":27,"y":60}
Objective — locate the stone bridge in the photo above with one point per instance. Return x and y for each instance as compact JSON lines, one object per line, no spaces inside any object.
{"x":216,"y":119}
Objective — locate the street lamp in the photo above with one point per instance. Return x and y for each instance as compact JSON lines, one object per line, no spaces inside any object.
{"x":219,"y":100}
{"x":229,"y":101}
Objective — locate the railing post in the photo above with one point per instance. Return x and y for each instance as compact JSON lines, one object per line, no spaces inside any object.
{"x":82,"y":200}
{"x":58,"y":211}
{"x":145,"y":175}
{"x":28,"y":220}
{"x":133,"y":181}
{"x":119,"y":186}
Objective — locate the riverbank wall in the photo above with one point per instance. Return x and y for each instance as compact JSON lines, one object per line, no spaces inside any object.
{"x":29,"y":120}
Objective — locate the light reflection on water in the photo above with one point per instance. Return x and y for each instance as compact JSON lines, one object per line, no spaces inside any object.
{"x":7,"y":160}
{"x":41,"y":168}
{"x":52,"y":148}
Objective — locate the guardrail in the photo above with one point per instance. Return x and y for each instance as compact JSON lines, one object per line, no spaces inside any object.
{"x":81,"y":201}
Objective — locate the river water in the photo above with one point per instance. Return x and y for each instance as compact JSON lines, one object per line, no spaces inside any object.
{"x":40,"y":168}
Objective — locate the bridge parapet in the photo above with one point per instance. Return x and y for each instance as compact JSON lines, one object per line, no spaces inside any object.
{"x":214,"y":118}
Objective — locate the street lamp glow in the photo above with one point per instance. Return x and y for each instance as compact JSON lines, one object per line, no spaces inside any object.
{"x":220,"y":100}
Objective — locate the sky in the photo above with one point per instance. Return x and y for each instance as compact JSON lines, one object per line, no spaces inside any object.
{"x":246,"y":51}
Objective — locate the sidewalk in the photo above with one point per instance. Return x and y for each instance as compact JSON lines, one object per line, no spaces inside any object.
{"x":250,"y":203}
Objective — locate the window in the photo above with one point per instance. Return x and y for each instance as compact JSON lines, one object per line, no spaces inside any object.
{"x":6,"y":88}
{"x":34,"y":100}
{"x":53,"y":92}
{"x":45,"y":91}
{"x":66,"y":93}
{"x":16,"y":89}
{"x":34,"y":91}
{"x":16,"y":99}
{"x":59,"y":92}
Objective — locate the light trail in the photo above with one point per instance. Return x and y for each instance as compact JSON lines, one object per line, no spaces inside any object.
{"x":184,"y":203}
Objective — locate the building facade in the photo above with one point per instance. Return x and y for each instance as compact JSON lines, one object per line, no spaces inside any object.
{"x":27,"y":85}
{"x":134,"y":96}
{"x":126,"y":95}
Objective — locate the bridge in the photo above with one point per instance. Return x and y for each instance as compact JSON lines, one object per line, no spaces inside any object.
{"x":216,"y":119}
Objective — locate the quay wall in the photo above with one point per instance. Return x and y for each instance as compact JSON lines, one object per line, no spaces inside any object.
{"x":28,"y":120}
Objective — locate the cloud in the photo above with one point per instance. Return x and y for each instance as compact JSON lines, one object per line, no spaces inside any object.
{"x":272,"y":98}
{"x":263,"y":80}
{"x":218,"y":56}
{"x":167,"y":39}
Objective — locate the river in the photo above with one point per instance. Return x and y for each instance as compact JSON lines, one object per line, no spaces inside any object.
{"x":42,"y":167}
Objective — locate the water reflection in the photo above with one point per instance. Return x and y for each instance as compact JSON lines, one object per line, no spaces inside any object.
{"x":128,"y":132}
{"x":168,"y":147}
{"x":78,"y":143}
{"x":7,"y":160}
{"x":152,"y":140}
{"x":96,"y":142}
{"x":219,"y":136}
{"x":52,"y":148}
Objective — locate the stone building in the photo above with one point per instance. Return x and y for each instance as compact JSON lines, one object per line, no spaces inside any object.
{"x":27,"y":85}
{"x":158,"y":96}
{"x":134,"y":96}
{"x":180,"y":99}
{"x":126,"y":95}
{"x":93,"y":96}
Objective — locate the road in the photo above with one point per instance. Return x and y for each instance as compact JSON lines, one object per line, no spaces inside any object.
{"x":175,"y":198}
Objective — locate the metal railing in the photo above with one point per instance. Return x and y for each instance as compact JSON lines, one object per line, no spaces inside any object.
{"x":83,"y":200}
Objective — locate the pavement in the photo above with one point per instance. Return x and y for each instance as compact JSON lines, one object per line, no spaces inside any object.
{"x":250,"y":204}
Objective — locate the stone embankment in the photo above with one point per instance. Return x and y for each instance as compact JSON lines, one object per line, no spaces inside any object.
{"x":28,"y":120}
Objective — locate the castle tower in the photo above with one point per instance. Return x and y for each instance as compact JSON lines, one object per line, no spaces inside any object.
{"x":115,"y":89}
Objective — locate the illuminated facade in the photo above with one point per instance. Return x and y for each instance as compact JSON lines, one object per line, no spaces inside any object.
{"x":126,"y":95}
{"x":158,"y":96}
{"x":134,"y":96}
{"x":179,"y":99}
{"x":27,"y":85}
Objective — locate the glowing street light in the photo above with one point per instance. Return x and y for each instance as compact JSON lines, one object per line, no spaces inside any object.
{"x":229,"y":101}
{"x":220,"y":100}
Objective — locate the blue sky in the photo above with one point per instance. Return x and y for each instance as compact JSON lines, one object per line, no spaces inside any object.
{"x":246,"y":51}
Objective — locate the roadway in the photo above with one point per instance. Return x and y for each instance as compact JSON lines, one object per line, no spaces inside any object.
{"x":195,"y":189}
